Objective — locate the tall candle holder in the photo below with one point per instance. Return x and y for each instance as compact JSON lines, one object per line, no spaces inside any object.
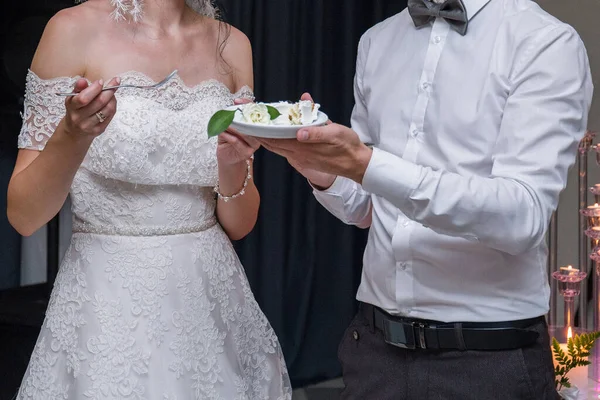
{"x":584,"y":147}
{"x":594,"y":358}
{"x":593,"y":232}
{"x":569,"y":286}
{"x":552,"y":267}
{"x":592,"y":214}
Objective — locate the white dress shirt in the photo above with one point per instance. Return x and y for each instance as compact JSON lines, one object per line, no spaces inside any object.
{"x":473,"y":137}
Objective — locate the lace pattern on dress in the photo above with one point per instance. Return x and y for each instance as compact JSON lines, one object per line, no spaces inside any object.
{"x":43,"y":110}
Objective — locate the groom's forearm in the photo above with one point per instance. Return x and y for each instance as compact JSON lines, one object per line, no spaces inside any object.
{"x":347,"y":201}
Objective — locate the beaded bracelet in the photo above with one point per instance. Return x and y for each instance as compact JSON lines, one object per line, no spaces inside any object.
{"x":244,"y":186}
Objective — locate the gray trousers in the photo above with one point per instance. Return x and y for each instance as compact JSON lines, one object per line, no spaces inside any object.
{"x":374,"y":370}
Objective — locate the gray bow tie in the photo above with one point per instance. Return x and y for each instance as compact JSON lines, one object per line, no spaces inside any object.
{"x":453,"y":11}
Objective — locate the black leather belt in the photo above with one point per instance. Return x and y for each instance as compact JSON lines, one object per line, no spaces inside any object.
{"x":410,"y":333}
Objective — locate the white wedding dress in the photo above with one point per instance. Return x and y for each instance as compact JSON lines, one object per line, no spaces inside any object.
{"x":151,"y":301}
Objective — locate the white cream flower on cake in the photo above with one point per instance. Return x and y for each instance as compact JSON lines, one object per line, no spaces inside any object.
{"x":256,"y":113}
{"x":295,"y":115}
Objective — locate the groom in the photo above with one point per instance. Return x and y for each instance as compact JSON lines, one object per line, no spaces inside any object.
{"x":473,"y":110}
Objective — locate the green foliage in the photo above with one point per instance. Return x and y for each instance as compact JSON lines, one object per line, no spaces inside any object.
{"x":273,"y":112}
{"x":219,"y":122}
{"x":578,"y":351}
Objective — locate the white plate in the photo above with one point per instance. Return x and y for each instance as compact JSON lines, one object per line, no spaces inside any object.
{"x":271,"y":131}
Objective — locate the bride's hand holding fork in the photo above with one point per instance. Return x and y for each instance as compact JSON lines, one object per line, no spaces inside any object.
{"x":90,"y":111}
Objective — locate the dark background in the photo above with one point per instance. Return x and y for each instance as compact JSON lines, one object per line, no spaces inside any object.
{"x":304,"y":265}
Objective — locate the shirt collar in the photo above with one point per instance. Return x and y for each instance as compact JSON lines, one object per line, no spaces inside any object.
{"x":474,"y":6}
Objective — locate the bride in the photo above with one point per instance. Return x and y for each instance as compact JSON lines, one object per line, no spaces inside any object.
{"x":151,"y":301}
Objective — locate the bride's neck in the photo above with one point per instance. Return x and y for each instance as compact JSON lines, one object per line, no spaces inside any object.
{"x":164,"y":15}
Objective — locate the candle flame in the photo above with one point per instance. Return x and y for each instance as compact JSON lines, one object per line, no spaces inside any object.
{"x":569,"y":267}
{"x":569,"y":333}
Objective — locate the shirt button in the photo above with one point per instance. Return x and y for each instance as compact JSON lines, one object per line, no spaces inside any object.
{"x":425,"y":85}
{"x":437,"y":40}
{"x":414,"y":133}
{"x":355,"y":335}
{"x":402,"y":266}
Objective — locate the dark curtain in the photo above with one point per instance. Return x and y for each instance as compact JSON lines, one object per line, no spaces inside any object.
{"x":303,"y":264}
{"x":9,"y":124}
{"x":10,"y":250}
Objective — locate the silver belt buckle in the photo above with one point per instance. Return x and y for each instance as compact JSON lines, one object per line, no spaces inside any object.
{"x":404,"y":335}
{"x":399,"y":334}
{"x":419,"y":329}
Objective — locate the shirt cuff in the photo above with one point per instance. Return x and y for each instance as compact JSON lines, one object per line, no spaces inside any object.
{"x":391,"y":177}
{"x":335,"y":188}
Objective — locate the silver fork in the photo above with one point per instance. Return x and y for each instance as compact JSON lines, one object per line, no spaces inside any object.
{"x":158,"y":84}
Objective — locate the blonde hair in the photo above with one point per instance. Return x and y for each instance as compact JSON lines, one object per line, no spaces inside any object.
{"x":133,"y":9}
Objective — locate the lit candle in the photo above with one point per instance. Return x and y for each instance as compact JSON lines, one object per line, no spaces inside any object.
{"x":577,"y":376}
{"x":595,"y":207}
{"x":563,"y":346}
{"x":568,"y":270}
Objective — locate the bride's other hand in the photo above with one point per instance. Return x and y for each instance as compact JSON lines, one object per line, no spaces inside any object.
{"x":234,"y":148}
{"x":241,"y":100}
{"x":91,"y":110}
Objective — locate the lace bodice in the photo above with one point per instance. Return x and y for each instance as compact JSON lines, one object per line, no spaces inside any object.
{"x":154,"y":166}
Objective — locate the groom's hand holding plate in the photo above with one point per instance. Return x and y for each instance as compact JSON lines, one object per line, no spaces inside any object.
{"x":332,"y":149}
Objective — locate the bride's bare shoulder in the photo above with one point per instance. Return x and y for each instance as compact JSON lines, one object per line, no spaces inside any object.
{"x":62,"y":48}
{"x":237,"y":52}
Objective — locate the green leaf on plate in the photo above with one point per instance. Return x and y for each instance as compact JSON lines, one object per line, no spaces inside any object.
{"x":219,"y":122}
{"x":273,"y":112}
